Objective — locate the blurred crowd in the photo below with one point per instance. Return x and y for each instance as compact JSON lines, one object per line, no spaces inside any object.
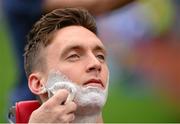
{"x":143,"y":44}
{"x":143,"y":39}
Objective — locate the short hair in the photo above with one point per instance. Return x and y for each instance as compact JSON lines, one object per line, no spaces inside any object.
{"x":41,"y":34}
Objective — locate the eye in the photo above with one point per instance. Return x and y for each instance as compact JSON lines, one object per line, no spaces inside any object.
{"x":101,"y":57}
{"x":73,"y":57}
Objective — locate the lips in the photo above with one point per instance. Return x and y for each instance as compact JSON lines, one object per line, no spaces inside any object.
{"x":94,"y":83}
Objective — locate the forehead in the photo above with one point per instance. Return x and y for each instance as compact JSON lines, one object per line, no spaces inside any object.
{"x":75,"y":36}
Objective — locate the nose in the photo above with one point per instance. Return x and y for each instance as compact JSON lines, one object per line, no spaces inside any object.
{"x":93,"y":64}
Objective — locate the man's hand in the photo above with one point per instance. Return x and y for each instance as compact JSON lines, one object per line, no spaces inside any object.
{"x":54,"y":110}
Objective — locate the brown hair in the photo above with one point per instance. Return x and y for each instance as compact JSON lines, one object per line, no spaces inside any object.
{"x":41,"y":34}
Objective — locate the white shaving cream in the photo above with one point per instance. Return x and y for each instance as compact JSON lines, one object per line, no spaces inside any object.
{"x":90,"y":100}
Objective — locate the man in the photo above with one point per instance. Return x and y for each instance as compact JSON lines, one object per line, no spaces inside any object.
{"x":66,"y":40}
{"x":22,"y":14}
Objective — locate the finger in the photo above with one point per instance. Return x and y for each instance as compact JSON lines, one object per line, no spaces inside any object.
{"x":67,"y":118}
{"x":70,"y":107}
{"x":59,"y":97}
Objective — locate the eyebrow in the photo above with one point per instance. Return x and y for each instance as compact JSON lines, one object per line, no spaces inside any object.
{"x":100,"y":48}
{"x":71,"y":48}
{"x":79,"y":47}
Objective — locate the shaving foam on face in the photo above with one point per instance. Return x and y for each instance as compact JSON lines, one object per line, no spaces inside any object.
{"x":90,"y":100}
{"x":56,"y":81}
{"x":83,"y":96}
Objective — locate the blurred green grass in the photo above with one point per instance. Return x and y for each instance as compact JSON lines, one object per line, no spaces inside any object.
{"x":146,"y":108}
{"x":7,"y":71}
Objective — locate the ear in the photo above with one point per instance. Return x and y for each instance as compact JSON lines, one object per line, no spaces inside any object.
{"x":36,"y":83}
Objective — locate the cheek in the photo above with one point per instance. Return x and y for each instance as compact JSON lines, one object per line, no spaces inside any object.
{"x":52,"y":64}
{"x":105,"y":75}
{"x":73,"y":73}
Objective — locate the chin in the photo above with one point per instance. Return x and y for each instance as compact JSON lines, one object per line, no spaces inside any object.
{"x":90,"y":101}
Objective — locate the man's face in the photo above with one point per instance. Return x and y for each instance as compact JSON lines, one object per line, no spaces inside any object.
{"x":80,"y":55}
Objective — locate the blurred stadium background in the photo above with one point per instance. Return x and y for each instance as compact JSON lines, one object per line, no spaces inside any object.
{"x":143,"y":41}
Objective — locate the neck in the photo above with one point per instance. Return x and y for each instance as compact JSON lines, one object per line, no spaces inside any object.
{"x":88,"y":114}
{"x":86,"y":118}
